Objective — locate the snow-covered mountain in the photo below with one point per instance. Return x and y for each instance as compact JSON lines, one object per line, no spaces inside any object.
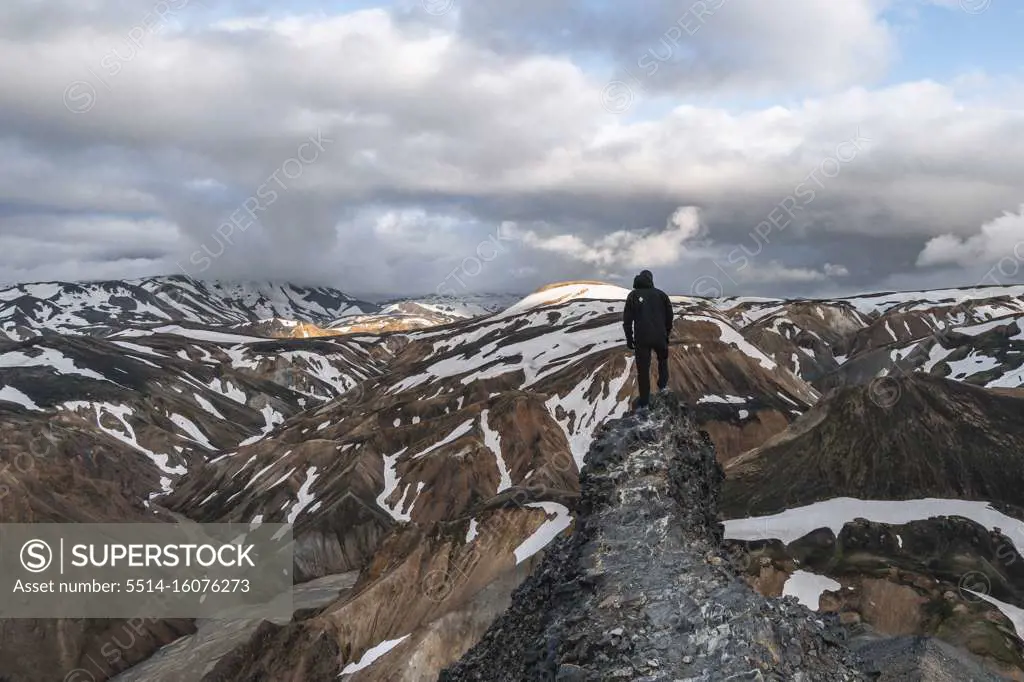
{"x":406,"y":452}
{"x":423,"y":312}
{"x":27,"y":310}
{"x":832,"y":343}
{"x":273,"y":309}
{"x":463,"y":306}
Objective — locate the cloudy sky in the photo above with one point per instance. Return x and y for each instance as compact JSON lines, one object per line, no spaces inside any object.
{"x":731,"y":146}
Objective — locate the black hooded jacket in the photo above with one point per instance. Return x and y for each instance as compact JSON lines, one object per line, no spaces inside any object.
{"x":647,"y":317}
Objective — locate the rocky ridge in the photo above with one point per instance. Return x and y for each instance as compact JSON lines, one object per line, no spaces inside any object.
{"x":639,"y":591}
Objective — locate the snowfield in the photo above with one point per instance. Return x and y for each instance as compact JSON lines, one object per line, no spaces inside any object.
{"x":795,"y":523}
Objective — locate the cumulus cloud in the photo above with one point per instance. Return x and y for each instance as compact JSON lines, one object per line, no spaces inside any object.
{"x":624,"y":248}
{"x":999,"y":238}
{"x":774,"y":271}
{"x":835,"y":270}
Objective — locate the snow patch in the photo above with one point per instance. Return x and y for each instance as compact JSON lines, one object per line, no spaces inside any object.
{"x":372,"y":655}
{"x":730,"y":399}
{"x":459,"y":431}
{"x":121,"y":413}
{"x":12,"y":395}
{"x":582,"y":416}
{"x":795,"y":523}
{"x":228,"y":390}
{"x":50,"y":357}
{"x":192,"y":430}
{"x":140,"y":349}
{"x":492,"y":439}
{"x":728,"y":335}
{"x":304,"y":498}
{"x":1013,"y":613}
{"x":208,"y":406}
{"x":390,"y":485}
{"x":272,"y":418}
{"x":808,"y":587}
{"x":547,"y":532}
{"x":207,"y":335}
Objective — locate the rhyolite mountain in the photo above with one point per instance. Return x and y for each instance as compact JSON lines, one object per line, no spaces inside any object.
{"x":428,"y":452}
{"x":27,"y":310}
{"x":910,"y":437}
{"x":369,"y":444}
{"x":97,"y":308}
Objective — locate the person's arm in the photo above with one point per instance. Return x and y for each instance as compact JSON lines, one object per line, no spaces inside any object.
{"x":668,"y":314}
{"x":627,"y":320}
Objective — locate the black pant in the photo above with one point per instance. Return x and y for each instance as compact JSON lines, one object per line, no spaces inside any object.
{"x":643,"y":370}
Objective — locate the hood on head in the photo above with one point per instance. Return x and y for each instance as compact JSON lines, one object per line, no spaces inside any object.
{"x":645,"y":280}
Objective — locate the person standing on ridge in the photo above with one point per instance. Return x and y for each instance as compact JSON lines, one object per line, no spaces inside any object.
{"x":647,"y":320}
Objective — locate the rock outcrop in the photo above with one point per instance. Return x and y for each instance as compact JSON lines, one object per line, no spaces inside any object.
{"x":930,"y":577}
{"x":639,"y":591}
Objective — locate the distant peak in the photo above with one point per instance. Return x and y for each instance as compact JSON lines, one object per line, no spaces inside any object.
{"x":573,"y":282}
{"x":562,"y":292}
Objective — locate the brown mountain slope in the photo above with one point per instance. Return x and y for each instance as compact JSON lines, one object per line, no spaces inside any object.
{"x":739,"y":395}
{"x":403,"y":477}
{"x":814,"y":324}
{"x":805,"y":336}
{"x":904,"y":438}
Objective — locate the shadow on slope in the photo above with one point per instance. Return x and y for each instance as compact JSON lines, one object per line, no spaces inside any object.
{"x":902,"y":438}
